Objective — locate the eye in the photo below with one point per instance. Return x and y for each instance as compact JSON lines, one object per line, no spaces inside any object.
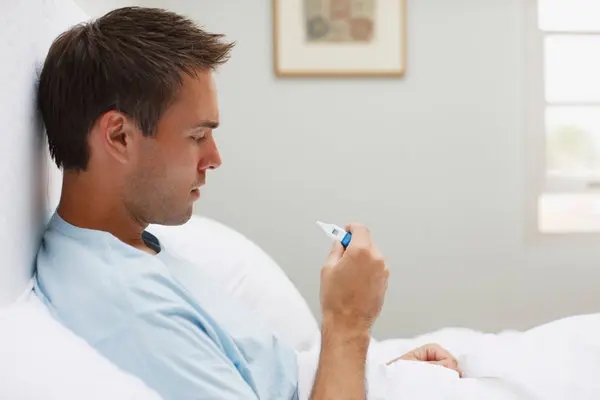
{"x":199,"y":138}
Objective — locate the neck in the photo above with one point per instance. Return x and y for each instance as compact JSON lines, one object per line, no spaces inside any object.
{"x":87,"y":203}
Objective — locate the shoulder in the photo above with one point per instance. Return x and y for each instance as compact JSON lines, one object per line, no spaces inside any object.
{"x":93,"y":288}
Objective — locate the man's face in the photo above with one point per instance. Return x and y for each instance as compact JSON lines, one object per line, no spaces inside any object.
{"x":171,"y":166}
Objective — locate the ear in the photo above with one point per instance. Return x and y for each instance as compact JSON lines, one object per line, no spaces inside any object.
{"x":117,"y":132}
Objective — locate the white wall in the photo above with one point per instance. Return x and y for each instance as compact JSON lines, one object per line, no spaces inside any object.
{"x":26,"y":29}
{"x":433,"y":163}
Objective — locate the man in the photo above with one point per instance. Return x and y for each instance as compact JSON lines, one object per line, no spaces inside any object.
{"x":130,"y":105}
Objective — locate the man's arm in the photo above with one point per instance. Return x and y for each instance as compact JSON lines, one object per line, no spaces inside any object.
{"x":353,"y":285}
{"x":341,"y":370}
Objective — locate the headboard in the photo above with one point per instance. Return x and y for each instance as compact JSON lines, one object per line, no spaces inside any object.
{"x":27,"y":28}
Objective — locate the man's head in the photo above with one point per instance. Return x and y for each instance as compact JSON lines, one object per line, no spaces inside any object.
{"x":129,"y":101}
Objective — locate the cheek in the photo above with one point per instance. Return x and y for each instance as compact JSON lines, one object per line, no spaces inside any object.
{"x":172,"y":167}
{"x":182,"y":168}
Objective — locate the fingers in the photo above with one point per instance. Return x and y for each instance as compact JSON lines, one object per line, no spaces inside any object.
{"x":361,"y":237}
{"x":433,"y":354}
{"x":449,"y":363}
{"x":436,"y":354}
{"x":376,"y":252}
{"x":334,"y":254}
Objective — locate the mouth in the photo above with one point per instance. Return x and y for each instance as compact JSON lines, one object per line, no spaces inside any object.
{"x":195,"y":192}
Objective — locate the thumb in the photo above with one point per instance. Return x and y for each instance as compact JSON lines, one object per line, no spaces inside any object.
{"x":335,"y":254}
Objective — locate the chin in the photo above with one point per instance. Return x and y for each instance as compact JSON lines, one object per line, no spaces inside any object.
{"x":173,"y":220}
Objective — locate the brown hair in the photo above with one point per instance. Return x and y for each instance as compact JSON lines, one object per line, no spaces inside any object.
{"x":132,"y":60}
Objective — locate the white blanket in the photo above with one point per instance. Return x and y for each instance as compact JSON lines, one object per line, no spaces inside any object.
{"x":559,"y":360}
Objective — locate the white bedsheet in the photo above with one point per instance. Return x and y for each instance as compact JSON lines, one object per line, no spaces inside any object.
{"x":556,"y":361}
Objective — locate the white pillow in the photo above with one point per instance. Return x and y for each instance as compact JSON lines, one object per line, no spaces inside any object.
{"x":41,"y":359}
{"x":246,"y":272}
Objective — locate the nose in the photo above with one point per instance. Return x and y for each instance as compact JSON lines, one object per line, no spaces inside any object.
{"x":212,"y":157}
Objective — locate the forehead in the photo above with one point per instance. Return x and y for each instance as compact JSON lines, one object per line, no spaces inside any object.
{"x":196,"y":102}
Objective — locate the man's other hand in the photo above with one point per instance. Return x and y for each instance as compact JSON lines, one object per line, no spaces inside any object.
{"x":431,"y":353}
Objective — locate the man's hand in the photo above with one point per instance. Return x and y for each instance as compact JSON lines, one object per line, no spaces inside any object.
{"x":354,"y":282}
{"x":431,"y":353}
{"x":353,"y":285}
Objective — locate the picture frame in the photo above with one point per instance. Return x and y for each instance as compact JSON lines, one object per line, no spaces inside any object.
{"x":339,"y":38}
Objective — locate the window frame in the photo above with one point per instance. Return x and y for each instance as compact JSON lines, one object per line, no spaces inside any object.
{"x":537,"y":183}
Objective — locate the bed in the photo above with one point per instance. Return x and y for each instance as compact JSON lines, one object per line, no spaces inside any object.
{"x":40,"y":359}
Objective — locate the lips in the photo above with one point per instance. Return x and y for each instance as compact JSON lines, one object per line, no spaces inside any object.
{"x":197,"y":187}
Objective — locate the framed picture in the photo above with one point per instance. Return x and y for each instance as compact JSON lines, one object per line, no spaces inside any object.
{"x":339,"y":37}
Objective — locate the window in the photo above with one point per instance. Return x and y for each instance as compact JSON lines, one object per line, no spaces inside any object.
{"x":568,"y":36}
